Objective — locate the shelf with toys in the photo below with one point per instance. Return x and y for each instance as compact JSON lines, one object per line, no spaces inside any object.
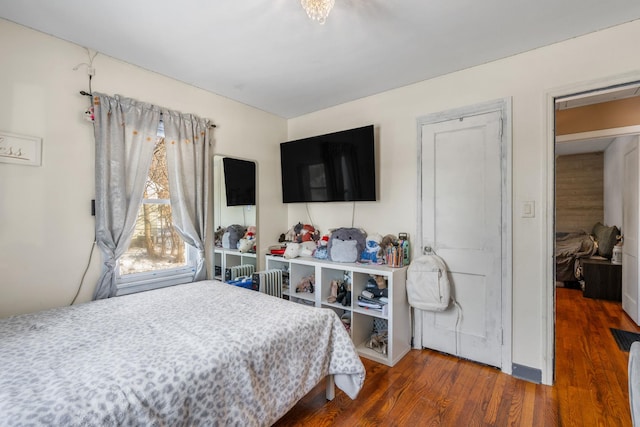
{"x":379,"y":325}
{"x":234,"y":247}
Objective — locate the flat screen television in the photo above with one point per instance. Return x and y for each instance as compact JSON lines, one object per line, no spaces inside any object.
{"x":336,"y":167}
{"x":239,"y":181}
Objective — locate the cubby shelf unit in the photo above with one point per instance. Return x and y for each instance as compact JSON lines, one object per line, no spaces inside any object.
{"x":397,"y":314}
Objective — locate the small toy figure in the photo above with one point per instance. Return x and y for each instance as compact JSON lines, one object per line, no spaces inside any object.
{"x":306,"y":284}
{"x":372,"y":249}
{"x":89,"y":115}
{"x":218,"y":236}
{"x":322,"y":251}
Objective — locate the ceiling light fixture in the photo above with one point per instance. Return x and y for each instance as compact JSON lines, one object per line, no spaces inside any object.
{"x":318,"y":10}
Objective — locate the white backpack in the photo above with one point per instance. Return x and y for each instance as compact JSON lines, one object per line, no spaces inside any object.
{"x":428,"y":286}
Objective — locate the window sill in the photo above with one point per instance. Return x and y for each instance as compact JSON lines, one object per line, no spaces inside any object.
{"x":149,"y":283}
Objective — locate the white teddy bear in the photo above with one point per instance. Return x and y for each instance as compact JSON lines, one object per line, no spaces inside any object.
{"x":292,"y":250}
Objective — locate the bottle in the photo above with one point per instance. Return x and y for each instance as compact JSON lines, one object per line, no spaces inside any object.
{"x":616,"y":257}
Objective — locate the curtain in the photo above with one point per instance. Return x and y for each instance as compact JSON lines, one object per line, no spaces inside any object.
{"x":188,"y":141}
{"x":126,"y":134}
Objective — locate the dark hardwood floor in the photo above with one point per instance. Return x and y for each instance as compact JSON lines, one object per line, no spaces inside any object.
{"x":427,"y":388}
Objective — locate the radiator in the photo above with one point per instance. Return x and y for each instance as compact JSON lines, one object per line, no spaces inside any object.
{"x":269,"y":282}
{"x":236,"y":271}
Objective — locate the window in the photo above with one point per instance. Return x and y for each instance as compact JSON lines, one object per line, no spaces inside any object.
{"x":157,"y":256}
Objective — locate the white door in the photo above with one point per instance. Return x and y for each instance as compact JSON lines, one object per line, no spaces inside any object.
{"x":462,"y":187}
{"x":630,"y":231}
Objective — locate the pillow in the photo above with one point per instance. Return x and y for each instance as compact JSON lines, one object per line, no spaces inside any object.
{"x":607,"y":237}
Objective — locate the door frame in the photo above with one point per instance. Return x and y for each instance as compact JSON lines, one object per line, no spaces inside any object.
{"x":504,"y":107}
{"x":548,"y":291}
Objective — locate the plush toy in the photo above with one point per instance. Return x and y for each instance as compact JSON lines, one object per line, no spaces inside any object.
{"x":247,"y":244}
{"x":232,"y":235}
{"x":307,"y":248}
{"x":346,"y":244}
{"x":292,"y":250}
{"x":306,"y":284}
{"x":305,"y":233}
{"x":217,"y":236}
{"x":250,"y":233}
{"x":372,"y":249}
{"x":289,"y":236}
{"x":248,"y":241}
{"x":322,"y":252}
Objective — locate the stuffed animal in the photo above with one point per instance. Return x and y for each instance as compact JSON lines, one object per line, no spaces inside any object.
{"x":322,"y":252}
{"x":306,"y":284}
{"x":217,"y":236}
{"x":250,"y":233}
{"x":289,"y":236}
{"x":292,"y":250}
{"x":305,"y":233}
{"x":248,"y":241}
{"x":247,"y":245}
{"x":307,"y":248}
{"x":372,"y":249}
{"x":232,"y":235}
{"x":346,"y":244}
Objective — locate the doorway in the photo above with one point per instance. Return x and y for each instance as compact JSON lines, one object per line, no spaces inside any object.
{"x":603,"y":137}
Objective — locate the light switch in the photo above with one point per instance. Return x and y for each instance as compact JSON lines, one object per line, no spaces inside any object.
{"x":528,"y":209}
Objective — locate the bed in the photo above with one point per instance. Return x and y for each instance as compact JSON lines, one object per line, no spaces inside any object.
{"x":204,"y":353}
{"x":570,"y":248}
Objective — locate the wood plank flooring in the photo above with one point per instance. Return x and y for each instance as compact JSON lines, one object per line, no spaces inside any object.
{"x":427,"y":388}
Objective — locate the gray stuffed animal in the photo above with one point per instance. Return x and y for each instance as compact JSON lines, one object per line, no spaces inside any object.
{"x":233,"y":234}
{"x":346,"y":244}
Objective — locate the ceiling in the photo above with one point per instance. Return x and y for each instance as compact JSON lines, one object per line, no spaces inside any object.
{"x":269,"y":55}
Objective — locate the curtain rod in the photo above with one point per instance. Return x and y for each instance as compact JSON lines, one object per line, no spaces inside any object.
{"x":82,"y":92}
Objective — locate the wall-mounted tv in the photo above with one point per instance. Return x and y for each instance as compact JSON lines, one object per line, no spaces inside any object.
{"x":239,"y":181}
{"x":336,"y":167}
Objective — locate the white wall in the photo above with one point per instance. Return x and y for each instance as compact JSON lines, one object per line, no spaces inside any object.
{"x":613,"y":176}
{"x":529,"y":79}
{"x":46,"y":229}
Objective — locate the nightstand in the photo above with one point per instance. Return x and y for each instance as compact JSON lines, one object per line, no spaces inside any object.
{"x":602,"y":279}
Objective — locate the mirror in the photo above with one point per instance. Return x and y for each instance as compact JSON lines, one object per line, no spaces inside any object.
{"x":234,"y":203}
{"x":234,"y":192}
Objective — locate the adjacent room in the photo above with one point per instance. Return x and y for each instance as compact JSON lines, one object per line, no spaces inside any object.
{"x":319,"y":212}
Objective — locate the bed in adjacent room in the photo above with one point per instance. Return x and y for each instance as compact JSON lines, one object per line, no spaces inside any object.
{"x":572,"y":247}
{"x":197,"y":354}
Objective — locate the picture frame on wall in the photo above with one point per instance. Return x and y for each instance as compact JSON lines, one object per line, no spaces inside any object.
{"x":20,"y":149}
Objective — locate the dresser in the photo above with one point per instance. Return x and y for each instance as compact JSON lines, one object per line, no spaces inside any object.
{"x":602,"y":279}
